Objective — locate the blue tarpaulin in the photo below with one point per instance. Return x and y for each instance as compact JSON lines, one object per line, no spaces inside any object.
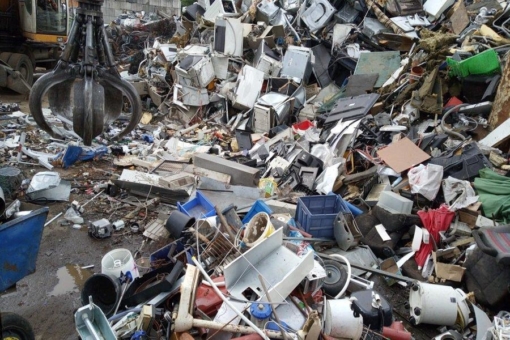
{"x":75,"y":153}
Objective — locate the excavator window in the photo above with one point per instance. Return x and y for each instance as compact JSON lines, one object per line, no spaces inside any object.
{"x":51,"y":16}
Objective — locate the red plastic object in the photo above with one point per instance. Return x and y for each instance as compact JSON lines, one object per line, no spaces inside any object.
{"x":396,"y":331}
{"x":454,"y":101}
{"x":302,"y":232}
{"x":207,"y":301}
{"x":327,"y":337}
{"x":434,"y":220}
{"x":304,"y":125}
{"x":315,"y":298}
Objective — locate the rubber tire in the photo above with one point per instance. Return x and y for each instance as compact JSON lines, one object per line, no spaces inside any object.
{"x":21,"y":62}
{"x":335,"y":279}
{"x":5,"y":56}
{"x":16,"y":327}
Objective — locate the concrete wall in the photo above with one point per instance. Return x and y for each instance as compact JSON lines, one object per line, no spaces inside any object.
{"x":113,"y":8}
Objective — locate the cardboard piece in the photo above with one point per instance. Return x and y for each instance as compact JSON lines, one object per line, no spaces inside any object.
{"x":463,"y":242}
{"x":402,"y":155}
{"x":389,"y":265}
{"x":459,"y":18}
{"x":445,"y":271}
{"x":470,"y":214}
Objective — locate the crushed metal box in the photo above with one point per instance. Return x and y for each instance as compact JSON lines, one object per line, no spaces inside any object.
{"x":195,"y":71}
{"x":318,"y":14}
{"x":267,"y":61}
{"x":228,"y":36}
{"x":297,"y":63}
{"x":271,"y":109}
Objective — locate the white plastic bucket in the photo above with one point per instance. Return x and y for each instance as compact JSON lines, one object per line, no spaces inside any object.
{"x":117,"y":261}
{"x":258,"y":229}
{"x":340,"y":321}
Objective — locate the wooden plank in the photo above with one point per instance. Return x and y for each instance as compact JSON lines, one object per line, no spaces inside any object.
{"x":498,"y":135}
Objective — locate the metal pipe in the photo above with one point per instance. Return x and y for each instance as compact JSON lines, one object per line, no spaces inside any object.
{"x":53,"y":219}
{"x":307,"y":239}
{"x":93,"y":198}
{"x":371,"y":270}
{"x":2,"y":202}
{"x":264,"y":288}
{"x":91,"y":327}
{"x":450,"y":131}
{"x":107,"y":48}
{"x":66,"y":55}
{"x":234,"y":328}
{"x":83,"y":205}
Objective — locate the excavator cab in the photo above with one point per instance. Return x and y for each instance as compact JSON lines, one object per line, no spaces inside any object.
{"x":46,"y":21}
{"x":31,"y":34}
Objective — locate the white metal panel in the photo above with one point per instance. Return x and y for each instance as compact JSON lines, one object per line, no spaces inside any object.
{"x":248,"y":87}
{"x":281,"y":269}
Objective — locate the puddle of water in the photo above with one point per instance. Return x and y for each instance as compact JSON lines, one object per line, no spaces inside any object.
{"x":71,"y":278}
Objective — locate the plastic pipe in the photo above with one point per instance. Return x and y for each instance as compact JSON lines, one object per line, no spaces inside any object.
{"x":217,"y":284}
{"x":234,"y":328}
{"x":349,"y":273}
{"x":449,"y":131}
{"x":120,"y":315}
{"x":220,"y":294}
{"x":354,"y":209}
{"x":292,"y":29}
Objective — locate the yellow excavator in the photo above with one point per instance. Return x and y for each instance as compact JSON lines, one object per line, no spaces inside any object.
{"x":31,"y":34}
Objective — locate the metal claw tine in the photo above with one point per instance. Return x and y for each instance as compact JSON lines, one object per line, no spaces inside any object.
{"x":39,"y":89}
{"x":99,"y":90}
{"x":59,"y":98}
{"x":134,"y":99}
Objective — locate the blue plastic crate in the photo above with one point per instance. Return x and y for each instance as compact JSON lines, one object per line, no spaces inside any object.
{"x":258,"y":206}
{"x":316,"y":214}
{"x":198,"y":207}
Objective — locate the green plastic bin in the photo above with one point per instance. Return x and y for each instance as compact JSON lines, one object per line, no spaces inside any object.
{"x":486,"y":62}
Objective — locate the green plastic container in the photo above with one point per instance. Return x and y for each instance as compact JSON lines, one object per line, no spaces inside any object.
{"x":486,"y":62}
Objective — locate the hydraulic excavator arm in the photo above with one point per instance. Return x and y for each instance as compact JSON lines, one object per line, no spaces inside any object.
{"x":86,"y":70}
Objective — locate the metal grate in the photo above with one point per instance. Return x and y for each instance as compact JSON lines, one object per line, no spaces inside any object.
{"x":219,"y":253}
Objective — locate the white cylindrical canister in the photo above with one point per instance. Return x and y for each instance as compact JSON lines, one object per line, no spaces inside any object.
{"x":340,"y":321}
{"x":433,"y":304}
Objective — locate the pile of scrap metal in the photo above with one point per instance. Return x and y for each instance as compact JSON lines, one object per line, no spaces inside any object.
{"x":370,"y":119}
{"x":273,"y":275}
{"x":130,"y":33}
